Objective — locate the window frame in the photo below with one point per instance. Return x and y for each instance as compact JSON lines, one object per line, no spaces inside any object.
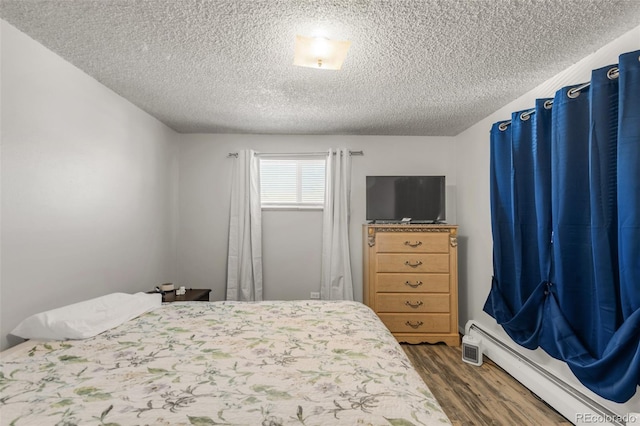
{"x":298,"y":160}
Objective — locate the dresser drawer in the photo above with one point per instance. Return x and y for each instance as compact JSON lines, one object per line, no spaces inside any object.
{"x":417,"y":323}
{"x":413,"y":242}
{"x":412,"y":262}
{"x":386,"y":302}
{"x":412,"y":283}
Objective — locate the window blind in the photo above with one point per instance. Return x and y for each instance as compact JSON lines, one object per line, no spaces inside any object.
{"x":289,"y":182}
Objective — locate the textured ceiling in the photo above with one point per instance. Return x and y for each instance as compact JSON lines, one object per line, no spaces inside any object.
{"x":431,"y":67}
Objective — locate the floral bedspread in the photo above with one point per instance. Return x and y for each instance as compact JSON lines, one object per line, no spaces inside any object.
{"x":222,"y":363}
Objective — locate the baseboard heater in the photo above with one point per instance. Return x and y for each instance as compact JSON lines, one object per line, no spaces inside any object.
{"x":574,"y":405}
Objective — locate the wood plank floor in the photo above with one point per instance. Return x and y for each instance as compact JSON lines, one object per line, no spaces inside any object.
{"x":484,"y":395}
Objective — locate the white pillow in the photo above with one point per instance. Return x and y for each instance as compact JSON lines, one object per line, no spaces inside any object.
{"x":86,"y":319}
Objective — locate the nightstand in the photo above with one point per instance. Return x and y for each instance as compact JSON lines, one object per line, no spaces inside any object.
{"x":192,"y":295}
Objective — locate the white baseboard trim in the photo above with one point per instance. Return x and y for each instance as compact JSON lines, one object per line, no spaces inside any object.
{"x":573,"y":404}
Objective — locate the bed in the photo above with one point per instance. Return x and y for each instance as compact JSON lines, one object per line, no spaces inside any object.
{"x":222,"y":363}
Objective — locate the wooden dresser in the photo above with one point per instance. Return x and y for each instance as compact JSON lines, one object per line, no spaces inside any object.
{"x":411,"y":280}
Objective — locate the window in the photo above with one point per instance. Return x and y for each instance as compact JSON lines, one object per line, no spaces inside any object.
{"x":292,"y":182}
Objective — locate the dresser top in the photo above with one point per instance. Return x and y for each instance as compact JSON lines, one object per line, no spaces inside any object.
{"x":413,"y":226}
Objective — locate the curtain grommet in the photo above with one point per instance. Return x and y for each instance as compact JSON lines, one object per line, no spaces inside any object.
{"x":573,"y":93}
{"x":527,"y":115}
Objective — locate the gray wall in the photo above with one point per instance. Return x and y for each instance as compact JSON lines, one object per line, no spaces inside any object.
{"x":88,"y":184}
{"x":291,"y":239}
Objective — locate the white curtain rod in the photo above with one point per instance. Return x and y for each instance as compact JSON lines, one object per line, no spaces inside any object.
{"x":574,"y":92}
{"x":292,"y":154}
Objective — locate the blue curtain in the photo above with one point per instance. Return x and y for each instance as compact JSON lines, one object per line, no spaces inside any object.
{"x":565,"y":216}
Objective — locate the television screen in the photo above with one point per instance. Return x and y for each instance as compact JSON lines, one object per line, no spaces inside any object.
{"x":393,"y":198}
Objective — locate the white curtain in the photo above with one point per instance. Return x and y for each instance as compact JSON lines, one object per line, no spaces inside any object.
{"x":244,"y":265}
{"x":336,"y":282}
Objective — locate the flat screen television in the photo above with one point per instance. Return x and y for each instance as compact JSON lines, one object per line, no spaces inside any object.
{"x":394,"y":198}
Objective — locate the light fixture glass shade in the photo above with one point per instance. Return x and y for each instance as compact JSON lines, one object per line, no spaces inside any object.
{"x":320,"y":53}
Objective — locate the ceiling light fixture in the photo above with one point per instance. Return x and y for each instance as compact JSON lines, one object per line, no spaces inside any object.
{"x":320,"y":52}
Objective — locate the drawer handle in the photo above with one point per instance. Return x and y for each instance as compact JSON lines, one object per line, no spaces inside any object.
{"x":413,"y":265}
{"x":414,"y":325}
{"x":414,"y":305}
{"x":416,"y":285}
{"x":416,"y":244}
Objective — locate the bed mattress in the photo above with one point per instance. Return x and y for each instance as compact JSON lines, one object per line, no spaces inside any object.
{"x":232,"y":363}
